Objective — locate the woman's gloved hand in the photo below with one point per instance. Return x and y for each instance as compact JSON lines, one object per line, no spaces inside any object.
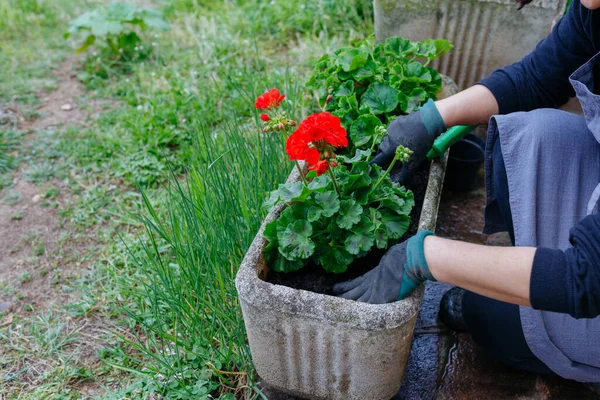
{"x":401,"y":270}
{"x":417,"y":132}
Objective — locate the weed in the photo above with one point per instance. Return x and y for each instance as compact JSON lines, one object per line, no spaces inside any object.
{"x":52,"y":193}
{"x":9,"y":145}
{"x":39,"y":249}
{"x":12,"y":197}
{"x":17,"y":216}
{"x":25,"y":277}
{"x":120,"y":44}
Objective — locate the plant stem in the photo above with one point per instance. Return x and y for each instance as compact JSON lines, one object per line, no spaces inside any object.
{"x":300,"y":171}
{"x":387,"y":172}
{"x":375,"y":137}
{"x":337,"y":189}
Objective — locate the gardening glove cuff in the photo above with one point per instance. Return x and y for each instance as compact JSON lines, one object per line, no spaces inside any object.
{"x":432,"y":119}
{"x":416,"y":270}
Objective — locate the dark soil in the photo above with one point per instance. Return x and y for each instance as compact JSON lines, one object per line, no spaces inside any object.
{"x":314,"y":279}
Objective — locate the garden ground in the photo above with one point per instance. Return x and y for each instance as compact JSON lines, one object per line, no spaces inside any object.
{"x":120,"y":230}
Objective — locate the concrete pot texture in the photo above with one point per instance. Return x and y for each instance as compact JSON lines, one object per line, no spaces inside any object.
{"x":317,"y":346}
{"x":487,"y":34}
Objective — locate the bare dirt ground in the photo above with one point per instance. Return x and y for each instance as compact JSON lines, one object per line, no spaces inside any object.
{"x":29,"y":232}
{"x":34,"y":255}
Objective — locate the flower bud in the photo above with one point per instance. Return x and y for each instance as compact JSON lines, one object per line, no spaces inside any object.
{"x":265,"y":117}
{"x":281,"y":126}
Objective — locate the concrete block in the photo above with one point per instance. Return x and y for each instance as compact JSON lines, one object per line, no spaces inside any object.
{"x":487,"y":34}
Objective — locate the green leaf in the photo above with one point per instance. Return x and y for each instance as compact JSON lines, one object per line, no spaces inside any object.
{"x":433,"y":49}
{"x":359,"y":241}
{"x":271,"y":200}
{"x":349,"y":214}
{"x":355,"y":182}
{"x":380,"y":98}
{"x":358,"y":156}
{"x":118,"y":11}
{"x":288,"y":193}
{"x":334,"y":259}
{"x":328,"y":203}
{"x":362,"y":73}
{"x":270,"y":233}
{"x":345,"y":89}
{"x":89,"y":40}
{"x":348,"y":102}
{"x":282,"y":264}
{"x":320,"y":183}
{"x":295,"y":241}
{"x":351,"y":59}
{"x":104,"y":27}
{"x":363,"y":129}
{"x":312,"y":174}
{"x":154,"y":19}
{"x":399,"y":47}
{"x":395,"y":225}
{"x":365,"y":225}
{"x":297,"y":191}
{"x":381,"y":238}
{"x":416,"y":98}
{"x":415,"y":72}
{"x":394,"y":203}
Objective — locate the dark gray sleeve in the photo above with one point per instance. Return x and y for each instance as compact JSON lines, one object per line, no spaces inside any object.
{"x":541,"y":79}
{"x":569,"y":281}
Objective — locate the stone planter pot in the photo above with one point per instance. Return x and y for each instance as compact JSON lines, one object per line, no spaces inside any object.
{"x":317,"y":346}
{"x":487,"y":34}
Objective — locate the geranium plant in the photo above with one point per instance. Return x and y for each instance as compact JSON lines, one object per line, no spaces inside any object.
{"x":369,"y":84}
{"x":342,"y":207}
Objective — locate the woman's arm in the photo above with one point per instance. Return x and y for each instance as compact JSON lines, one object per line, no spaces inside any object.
{"x":473,"y":106}
{"x":501,"y":273}
{"x":546,"y":279}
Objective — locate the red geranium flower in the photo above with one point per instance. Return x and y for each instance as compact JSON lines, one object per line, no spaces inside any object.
{"x":264,"y":117}
{"x":270,"y":99}
{"x":321,"y":167}
{"x":297,"y":147}
{"x":324,"y":126}
{"x":315,"y":137}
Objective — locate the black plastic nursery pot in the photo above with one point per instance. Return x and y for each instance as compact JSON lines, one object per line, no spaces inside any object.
{"x":464,"y":162}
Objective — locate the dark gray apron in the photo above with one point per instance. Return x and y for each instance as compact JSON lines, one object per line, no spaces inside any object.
{"x":552,"y":163}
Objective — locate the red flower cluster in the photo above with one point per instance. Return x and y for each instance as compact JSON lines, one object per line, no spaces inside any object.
{"x":264,"y":117}
{"x":270,"y":99}
{"x":316,"y":139}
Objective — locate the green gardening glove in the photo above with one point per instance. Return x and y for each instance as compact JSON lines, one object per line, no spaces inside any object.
{"x":401,"y":270}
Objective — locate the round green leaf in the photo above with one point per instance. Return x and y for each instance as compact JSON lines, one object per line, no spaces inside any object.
{"x":363,"y":129}
{"x":380,"y":98}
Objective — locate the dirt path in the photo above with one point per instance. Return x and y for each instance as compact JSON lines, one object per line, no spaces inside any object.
{"x":29,"y":221}
{"x":38,"y":253}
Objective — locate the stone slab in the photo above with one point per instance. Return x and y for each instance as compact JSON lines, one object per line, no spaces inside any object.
{"x":487,"y":34}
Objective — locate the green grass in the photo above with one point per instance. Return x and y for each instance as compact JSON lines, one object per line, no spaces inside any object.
{"x":157,"y":270}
